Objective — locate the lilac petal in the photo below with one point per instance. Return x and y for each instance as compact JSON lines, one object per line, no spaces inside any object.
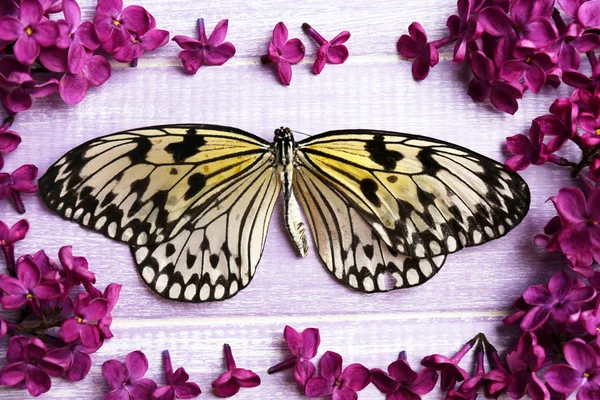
{"x":536,"y":295}
{"x":142,"y":388}
{"x":37,"y":382}
{"x":535,"y":318}
{"x":401,"y":372}
{"x":220,"y":54}
{"x":356,"y":376}
{"x":115,"y":373}
{"x":588,"y":122}
{"x":47,"y":291}
{"x":581,"y":295}
{"x":46,"y":33}
{"x":87,"y":35}
{"x":570,"y":7}
{"x":535,"y":77}
{"x":31,"y":12}
{"x":504,"y":97}
{"x":9,"y":141}
{"x":4,"y":230}
{"x":342,"y":37}
{"x":12,"y":374}
{"x":154,"y":39}
{"x":118,"y":394}
{"x":109,"y":7}
{"x":72,"y":13}
{"x":294,"y":340}
{"x":96,"y":310}
{"x":11,"y":286}
{"x":344,"y":393}
{"x":26,"y":49}
{"x":337,"y":54}
{"x":129,"y":51}
{"x":311,"y":339}
{"x":425,"y":382}
{"x":536,"y":388}
{"x":512,"y":70}
{"x":186,"y":42}
{"x":219,"y":33}
{"x":280,"y":35}
{"x":576,"y":79}
{"x":284,"y":69}
{"x":383,"y":381}
{"x":593,"y":205}
{"x":73,"y":88}
{"x":421,"y":65}
{"x":44,"y":89}
{"x":570,"y":205}
{"x":137,"y":19}
{"x":304,"y":371}
{"x":137,"y":364}
{"x":28,"y":273}
{"x":55,"y":59}
{"x":318,"y":386}
{"x":97,"y":70}
{"x":76,"y":58}
{"x":580,"y":355}
{"x":321,"y":59}
{"x":331,"y":366}
{"x":192,"y":60}
{"x":417,"y":32}
{"x":26,"y":172}
{"x":10,"y":28}
{"x":478,"y":90}
{"x":187,"y":390}
{"x":540,"y":31}
{"x":225,"y":385}
{"x":408,"y":47}
{"x":245,"y":377}
{"x":12,"y":302}
{"x":293,"y":51}
{"x":164,"y":393}
{"x":17,"y":231}
{"x":589,"y":14}
{"x":586,"y":42}
{"x":69,"y":331}
{"x":495,"y":21}
{"x":80,"y":366}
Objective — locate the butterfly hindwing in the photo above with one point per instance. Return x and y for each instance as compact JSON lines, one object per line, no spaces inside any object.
{"x":216,"y":255}
{"x":350,"y":249}
{"x":143,"y":186}
{"x":423,"y":197}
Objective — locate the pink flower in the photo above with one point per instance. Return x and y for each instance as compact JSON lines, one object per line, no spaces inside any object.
{"x":111,"y":295}
{"x":75,"y":269}
{"x":135,"y":47}
{"x":114,"y":24}
{"x":528,"y":358}
{"x":589,"y":14}
{"x":402,"y":382}
{"x":20,"y":87}
{"x":27,"y":287}
{"x":20,"y":181}
{"x":583,"y":371}
{"x":464,"y":27}
{"x":9,"y":141}
{"x":30,"y":31}
{"x":8,"y":238}
{"x":177,"y":386}
{"x":415,"y":46}
{"x":527,"y":150}
{"x":30,"y":364}
{"x":530,"y":64}
{"x":211,"y":51}
{"x":284,"y":53}
{"x":304,"y":348}
{"x":342,"y":385}
{"x":230,"y":382}
{"x":448,"y":367}
{"x":561,"y":299}
{"x":86,"y":313}
{"x":333,"y":52}
{"x":126,"y":379}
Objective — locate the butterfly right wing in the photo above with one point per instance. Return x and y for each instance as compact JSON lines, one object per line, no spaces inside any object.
{"x":215,"y":255}
{"x":350,"y":248}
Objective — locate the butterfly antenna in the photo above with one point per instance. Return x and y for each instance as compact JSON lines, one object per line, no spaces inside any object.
{"x":301,"y":133}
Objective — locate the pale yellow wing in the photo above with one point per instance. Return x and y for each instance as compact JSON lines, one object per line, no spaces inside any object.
{"x":421,"y":196}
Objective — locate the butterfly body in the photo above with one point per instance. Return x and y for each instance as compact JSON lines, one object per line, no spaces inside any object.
{"x":194,"y":203}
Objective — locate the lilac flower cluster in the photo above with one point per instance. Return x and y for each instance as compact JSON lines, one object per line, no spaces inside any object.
{"x":512,"y":46}
{"x":58,"y":325}
{"x":42,"y":55}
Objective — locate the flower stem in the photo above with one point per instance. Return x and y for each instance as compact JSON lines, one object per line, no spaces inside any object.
{"x":493,"y":357}
{"x":133,"y":63}
{"x":592,"y":58}
{"x":9,"y":256}
{"x":441,"y":42}
{"x":168,"y":366}
{"x":265,"y":59}
{"x":202,"y":31}
{"x":560,"y":23}
{"x":229,"y":361}
{"x":403,"y":355}
{"x":16,"y":196}
{"x":465,"y":349}
{"x":286,"y":364}
{"x":310,"y":31}
{"x":479,"y":363}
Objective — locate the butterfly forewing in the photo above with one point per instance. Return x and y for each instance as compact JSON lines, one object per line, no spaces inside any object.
{"x":423,"y":197}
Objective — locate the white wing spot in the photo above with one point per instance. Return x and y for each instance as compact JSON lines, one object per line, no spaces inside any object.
{"x":127,"y":234}
{"x":204,"y":292}
{"x":86,"y":219}
{"x":219,"y":292}
{"x":501,"y":229}
{"x":148,"y":274}
{"x":451,"y":243}
{"x":100,"y":223}
{"x":68,"y":212}
{"x":368,"y":284}
{"x":175,"y":291}
{"x":60,"y":206}
{"x":425,"y":266}
{"x":398,"y":278}
{"x":435,"y":247}
{"x":419,"y":250}
{"x":477,"y":237}
{"x":489,"y":231}
{"x":190,"y":291}
{"x":142,"y":239}
{"x":412,"y":276}
{"x":161,"y":283}
{"x":381,"y":281}
{"x":141,"y":254}
{"x":352,"y":281}
{"x":78,"y":213}
{"x":233,"y":288}
{"x":112,"y":229}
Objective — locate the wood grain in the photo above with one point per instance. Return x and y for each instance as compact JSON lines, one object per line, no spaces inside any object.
{"x":374,"y":89}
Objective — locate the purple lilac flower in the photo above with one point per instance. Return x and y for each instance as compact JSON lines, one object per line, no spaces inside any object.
{"x":138,"y":44}
{"x":79,"y":360}
{"x":332,"y":52}
{"x":415,"y":46}
{"x":20,"y":181}
{"x":582,"y":371}
{"x":527,"y":62}
{"x":464,"y":28}
{"x":31,"y":31}
{"x":9,"y":140}
{"x":304,"y":348}
{"x":27,"y":287}
{"x":283,"y":53}
{"x":588,"y":14}
{"x":448,"y":367}
{"x":230,"y":382}
{"x":341,"y":384}
{"x":111,"y":295}
{"x":470,"y":386}
{"x":126,"y":379}
{"x":8,"y":238}
{"x":86,"y":313}
{"x":560,"y":299}
{"x":177,"y":386}
{"x":30,"y":365}
{"x":205,"y":51}
{"x":528,"y":358}
{"x":401,"y":382}
{"x":114,"y":25}
{"x":75,"y":269}
{"x":527,"y":150}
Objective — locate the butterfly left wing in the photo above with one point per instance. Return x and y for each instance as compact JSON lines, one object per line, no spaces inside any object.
{"x":350,"y":248}
{"x":421,"y":196}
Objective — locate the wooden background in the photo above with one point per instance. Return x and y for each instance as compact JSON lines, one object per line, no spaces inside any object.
{"x":373,"y":89}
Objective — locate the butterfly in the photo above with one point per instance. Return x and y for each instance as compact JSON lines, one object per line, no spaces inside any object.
{"x":194,"y":202}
